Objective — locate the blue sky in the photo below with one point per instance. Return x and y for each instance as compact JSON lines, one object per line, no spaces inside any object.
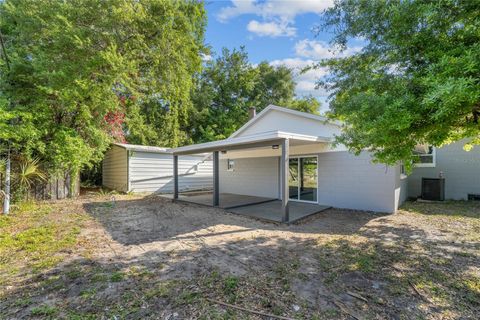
{"x":277,"y":31}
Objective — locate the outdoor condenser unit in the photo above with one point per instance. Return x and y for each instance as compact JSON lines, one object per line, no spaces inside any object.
{"x":433,"y":189}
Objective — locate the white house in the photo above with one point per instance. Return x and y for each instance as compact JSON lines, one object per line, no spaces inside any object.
{"x":288,"y":155}
{"x":135,"y":168}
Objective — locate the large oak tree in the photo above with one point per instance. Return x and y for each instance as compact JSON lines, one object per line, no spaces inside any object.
{"x":417,"y":80}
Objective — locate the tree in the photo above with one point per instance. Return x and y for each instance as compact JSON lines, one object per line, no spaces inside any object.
{"x":85,"y":73}
{"x":417,"y":79}
{"x":229,"y":85}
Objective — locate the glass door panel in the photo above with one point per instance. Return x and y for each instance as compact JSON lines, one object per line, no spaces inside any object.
{"x":293,"y":178}
{"x":308,"y":179}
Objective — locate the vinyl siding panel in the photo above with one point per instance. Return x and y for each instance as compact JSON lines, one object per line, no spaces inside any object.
{"x":251,"y":176}
{"x":277,"y":120}
{"x":114,"y":169}
{"x":354,"y":182}
{"x":153,"y":172}
{"x":460,"y":168}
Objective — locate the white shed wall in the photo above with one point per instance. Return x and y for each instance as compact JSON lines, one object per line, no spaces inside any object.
{"x":251,"y":176}
{"x":114,"y":169}
{"x":153,"y":172}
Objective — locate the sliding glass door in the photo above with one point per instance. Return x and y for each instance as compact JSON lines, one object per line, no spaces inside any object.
{"x":302,"y":179}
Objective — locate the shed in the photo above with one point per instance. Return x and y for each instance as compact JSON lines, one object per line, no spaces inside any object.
{"x":137,"y":168}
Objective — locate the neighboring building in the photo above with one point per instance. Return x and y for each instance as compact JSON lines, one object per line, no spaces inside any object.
{"x":288,"y":155}
{"x":134,"y":168}
{"x":460,"y":168}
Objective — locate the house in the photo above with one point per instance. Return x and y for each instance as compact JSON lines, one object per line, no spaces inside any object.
{"x":135,"y":168}
{"x":288,"y":156}
{"x":459,"y":168}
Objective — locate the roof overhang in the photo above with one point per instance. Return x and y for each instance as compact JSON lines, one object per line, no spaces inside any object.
{"x":252,"y":141}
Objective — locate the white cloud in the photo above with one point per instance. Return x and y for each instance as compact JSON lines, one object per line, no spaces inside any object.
{"x":314,"y":49}
{"x":283,"y":9}
{"x":306,"y":81}
{"x":278,"y":16}
{"x":271,"y":29}
{"x":206,"y":57}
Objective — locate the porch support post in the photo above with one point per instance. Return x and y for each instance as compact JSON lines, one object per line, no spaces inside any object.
{"x":284,"y":181}
{"x":175,"y":177}
{"x":216,"y":184}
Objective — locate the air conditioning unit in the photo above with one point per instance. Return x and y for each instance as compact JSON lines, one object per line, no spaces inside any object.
{"x":433,"y":189}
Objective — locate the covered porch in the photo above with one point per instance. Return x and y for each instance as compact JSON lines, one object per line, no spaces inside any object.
{"x":284,"y":202}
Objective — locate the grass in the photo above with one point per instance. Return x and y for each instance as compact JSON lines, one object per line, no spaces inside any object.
{"x":34,"y":238}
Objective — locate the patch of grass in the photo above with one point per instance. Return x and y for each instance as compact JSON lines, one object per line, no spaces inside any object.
{"x":23,"y":302}
{"x":161,"y":290}
{"x":230,"y":284}
{"x":117,"y":276}
{"x":447,"y":208}
{"x":187,"y":296}
{"x":88,"y":293}
{"x":44,"y":310}
{"x":35,"y":236}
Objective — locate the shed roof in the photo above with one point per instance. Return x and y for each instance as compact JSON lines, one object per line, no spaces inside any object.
{"x":137,"y":147}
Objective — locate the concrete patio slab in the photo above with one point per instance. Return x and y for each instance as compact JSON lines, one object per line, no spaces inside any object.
{"x":271,"y":211}
{"x":227,"y":200}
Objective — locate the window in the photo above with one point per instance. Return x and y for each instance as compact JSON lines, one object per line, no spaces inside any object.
{"x":230,"y":165}
{"x":425,"y":156}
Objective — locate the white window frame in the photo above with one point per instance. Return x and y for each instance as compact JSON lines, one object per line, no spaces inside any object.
{"x":429,"y":165}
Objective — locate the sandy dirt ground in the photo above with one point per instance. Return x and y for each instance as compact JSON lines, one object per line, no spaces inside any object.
{"x":339,"y":264}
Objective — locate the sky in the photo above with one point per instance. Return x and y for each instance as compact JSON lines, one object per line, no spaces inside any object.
{"x":278,"y":31}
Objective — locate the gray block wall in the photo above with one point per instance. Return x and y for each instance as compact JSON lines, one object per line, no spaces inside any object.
{"x":344,"y":181}
{"x":354,"y":182}
{"x":251,"y":176}
{"x":461,"y":170}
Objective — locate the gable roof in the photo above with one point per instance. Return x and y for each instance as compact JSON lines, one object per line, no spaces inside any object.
{"x":285,"y":110}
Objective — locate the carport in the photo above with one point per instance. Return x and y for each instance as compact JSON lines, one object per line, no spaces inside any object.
{"x":282,"y":209}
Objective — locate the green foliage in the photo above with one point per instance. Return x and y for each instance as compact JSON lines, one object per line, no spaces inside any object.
{"x":230,"y":85}
{"x":75,"y":62}
{"x":29,"y":172}
{"x":417,"y":80}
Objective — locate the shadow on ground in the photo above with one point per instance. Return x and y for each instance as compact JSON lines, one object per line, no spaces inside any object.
{"x":155,"y":218}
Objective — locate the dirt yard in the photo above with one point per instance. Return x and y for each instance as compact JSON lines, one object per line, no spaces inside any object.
{"x":138,"y":257}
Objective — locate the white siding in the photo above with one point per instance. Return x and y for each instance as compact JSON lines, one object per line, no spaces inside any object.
{"x":348,"y":181}
{"x":153,"y":172}
{"x":276,"y":120}
{"x":114,"y":169}
{"x":251,"y":176}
